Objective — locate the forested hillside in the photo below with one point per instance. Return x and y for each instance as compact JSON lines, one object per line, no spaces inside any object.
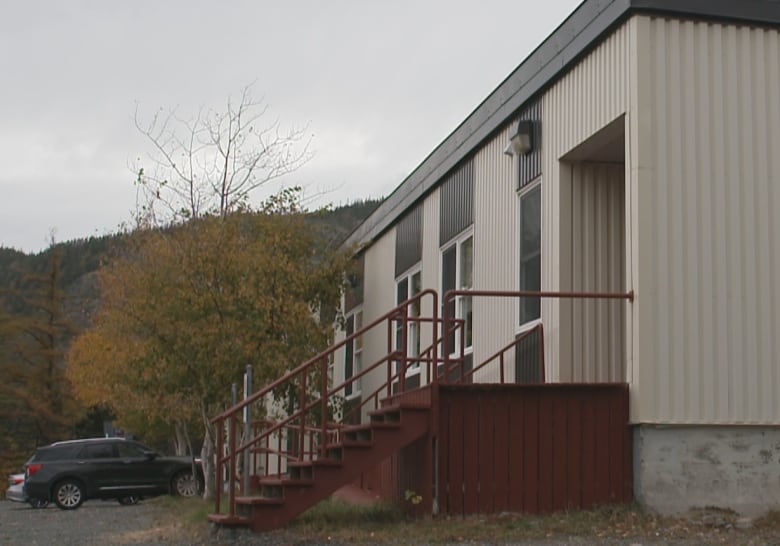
{"x":48,"y":298}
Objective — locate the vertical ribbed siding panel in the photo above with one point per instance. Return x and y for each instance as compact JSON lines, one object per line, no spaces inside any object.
{"x":495,"y":251}
{"x":598,"y":209}
{"x":593,"y":94}
{"x":379,"y":298}
{"x":456,"y":202}
{"x":408,"y":240}
{"x":530,"y":164}
{"x":712,"y":197}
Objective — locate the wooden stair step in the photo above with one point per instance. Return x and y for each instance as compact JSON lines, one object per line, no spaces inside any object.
{"x":283,"y":482}
{"x":258,"y":500}
{"x":230,"y":521}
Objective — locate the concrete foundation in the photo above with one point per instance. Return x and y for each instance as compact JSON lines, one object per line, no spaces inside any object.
{"x":677,"y":468}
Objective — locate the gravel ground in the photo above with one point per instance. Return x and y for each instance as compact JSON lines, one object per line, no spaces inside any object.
{"x":152,"y":523}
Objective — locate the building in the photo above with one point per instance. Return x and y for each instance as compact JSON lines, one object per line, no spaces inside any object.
{"x":653,"y":168}
{"x":627,"y":175}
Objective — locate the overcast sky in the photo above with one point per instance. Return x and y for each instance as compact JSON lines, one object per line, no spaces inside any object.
{"x":379,"y":84}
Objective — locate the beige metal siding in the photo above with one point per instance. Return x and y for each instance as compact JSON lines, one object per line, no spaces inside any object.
{"x":598,"y":261}
{"x":379,"y":298}
{"x":495,"y":251}
{"x":593,"y":94}
{"x":706,"y":189}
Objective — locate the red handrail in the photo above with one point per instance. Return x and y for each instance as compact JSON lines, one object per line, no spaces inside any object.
{"x":315,"y":439}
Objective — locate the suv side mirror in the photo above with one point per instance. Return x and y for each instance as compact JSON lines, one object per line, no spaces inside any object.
{"x":150,"y":455}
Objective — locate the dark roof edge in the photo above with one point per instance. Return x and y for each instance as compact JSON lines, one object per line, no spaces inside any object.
{"x":578,"y":33}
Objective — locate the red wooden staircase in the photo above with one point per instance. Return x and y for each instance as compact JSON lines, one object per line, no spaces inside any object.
{"x":307,"y":454}
{"x":306,"y":483}
{"x":316,"y":444}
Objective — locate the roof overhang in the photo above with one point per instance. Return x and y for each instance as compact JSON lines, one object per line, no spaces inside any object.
{"x":578,"y":34}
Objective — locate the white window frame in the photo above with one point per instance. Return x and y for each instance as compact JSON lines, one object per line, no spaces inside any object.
{"x":357,"y":353}
{"x":521,"y":327}
{"x":413,"y":328}
{"x":461,"y":302}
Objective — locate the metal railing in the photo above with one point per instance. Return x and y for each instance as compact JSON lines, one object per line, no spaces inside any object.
{"x":310,"y":426}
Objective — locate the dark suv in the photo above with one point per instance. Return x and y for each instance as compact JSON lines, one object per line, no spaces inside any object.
{"x":71,"y":472}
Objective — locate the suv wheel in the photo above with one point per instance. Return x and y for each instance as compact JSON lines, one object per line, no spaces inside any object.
{"x":185,"y":484}
{"x":69,"y":494}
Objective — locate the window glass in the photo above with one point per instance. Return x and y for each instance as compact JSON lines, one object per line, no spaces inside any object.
{"x":349,"y":354}
{"x":98,"y":451}
{"x":353,"y":353}
{"x":128,"y":449}
{"x":530,"y":252}
{"x":458,"y":272}
{"x":467,"y":263}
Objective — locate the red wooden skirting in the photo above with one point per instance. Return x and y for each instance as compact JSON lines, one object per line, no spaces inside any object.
{"x":533,"y":448}
{"x":518,"y":448}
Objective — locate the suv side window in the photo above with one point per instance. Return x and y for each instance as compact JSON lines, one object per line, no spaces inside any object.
{"x":129,"y":450}
{"x":98,"y":451}
{"x":58,"y":453}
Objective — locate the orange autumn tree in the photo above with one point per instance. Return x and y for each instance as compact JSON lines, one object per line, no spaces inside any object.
{"x":185,"y":309}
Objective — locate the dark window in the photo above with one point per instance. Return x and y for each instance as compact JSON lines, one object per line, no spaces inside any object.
{"x":130,"y":450}
{"x":530,"y":252}
{"x":353,"y":295}
{"x":353,"y":353}
{"x":98,"y":451}
{"x":458,"y":273}
{"x":528,"y":364}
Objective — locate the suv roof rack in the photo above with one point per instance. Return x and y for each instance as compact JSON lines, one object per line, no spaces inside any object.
{"x":63,"y":442}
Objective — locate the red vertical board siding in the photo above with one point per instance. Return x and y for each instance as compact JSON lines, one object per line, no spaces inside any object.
{"x":546,"y":453}
{"x":472,"y":468}
{"x":588,"y":453}
{"x":533,"y":448}
{"x":601,"y":468}
{"x":455,"y":477}
{"x":574,"y":451}
{"x":560,"y":438}
{"x":516,"y":455}
{"x":443,"y":480}
{"x":503,"y":436}
{"x":628,"y":450}
{"x":530,"y":449}
{"x":487,"y":455}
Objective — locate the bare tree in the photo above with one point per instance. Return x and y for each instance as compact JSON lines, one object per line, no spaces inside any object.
{"x":211,"y":163}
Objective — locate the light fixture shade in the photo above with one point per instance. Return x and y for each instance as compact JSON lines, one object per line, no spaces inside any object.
{"x":523,"y":140}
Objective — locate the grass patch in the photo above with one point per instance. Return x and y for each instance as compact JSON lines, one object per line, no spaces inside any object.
{"x":338,"y":522}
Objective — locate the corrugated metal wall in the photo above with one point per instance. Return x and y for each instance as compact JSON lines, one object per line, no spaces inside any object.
{"x":593,"y":94}
{"x":530,"y":164}
{"x":495,"y":249}
{"x":598,"y":263}
{"x":408,"y":240}
{"x":379,"y":298}
{"x":457,"y":201}
{"x":705,"y":195}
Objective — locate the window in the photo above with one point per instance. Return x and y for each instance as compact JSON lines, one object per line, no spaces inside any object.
{"x":457,"y":272}
{"x":128,"y":450}
{"x":353,"y":355}
{"x":406,"y":287}
{"x":98,"y":451}
{"x":530,"y":251}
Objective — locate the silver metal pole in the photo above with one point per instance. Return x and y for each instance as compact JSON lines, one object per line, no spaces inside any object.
{"x":247,"y":425}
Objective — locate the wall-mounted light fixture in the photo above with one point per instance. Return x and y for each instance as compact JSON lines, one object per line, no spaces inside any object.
{"x":522,"y":140}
